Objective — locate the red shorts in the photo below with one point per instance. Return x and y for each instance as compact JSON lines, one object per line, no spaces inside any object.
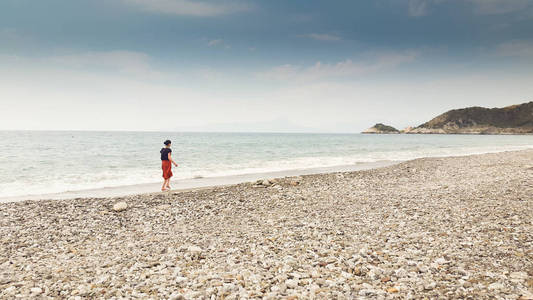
{"x":166,"y":165}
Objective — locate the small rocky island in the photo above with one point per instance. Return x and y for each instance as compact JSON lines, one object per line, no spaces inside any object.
{"x":381,"y":128}
{"x":514,"y":119}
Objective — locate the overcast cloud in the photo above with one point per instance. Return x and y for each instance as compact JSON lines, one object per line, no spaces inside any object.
{"x":258,"y":65}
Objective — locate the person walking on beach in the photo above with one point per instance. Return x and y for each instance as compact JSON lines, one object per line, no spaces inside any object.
{"x":166,"y":165}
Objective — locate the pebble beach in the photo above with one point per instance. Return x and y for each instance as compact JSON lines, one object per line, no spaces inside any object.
{"x":430,"y":228}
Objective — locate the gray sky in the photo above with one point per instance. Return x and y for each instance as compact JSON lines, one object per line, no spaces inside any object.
{"x":258,"y":65}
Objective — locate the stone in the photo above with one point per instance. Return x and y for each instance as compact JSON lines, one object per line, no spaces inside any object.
{"x":495,"y":286}
{"x":176,"y":296}
{"x":526,"y":295}
{"x":194,"y":249}
{"x":400,"y":273}
{"x":441,"y":261}
{"x":430,"y":285}
{"x":180,"y":279}
{"x":120,"y":206}
{"x":519,"y":276}
{"x":10,"y":291}
{"x":292,"y":283}
{"x":36,"y":290}
{"x":318,"y":240}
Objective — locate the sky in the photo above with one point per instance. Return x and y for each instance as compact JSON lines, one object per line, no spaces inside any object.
{"x":276,"y":65}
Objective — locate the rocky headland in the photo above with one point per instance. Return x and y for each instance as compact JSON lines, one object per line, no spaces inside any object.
{"x":432,"y":228}
{"x":514,"y":119}
{"x":381,"y":128}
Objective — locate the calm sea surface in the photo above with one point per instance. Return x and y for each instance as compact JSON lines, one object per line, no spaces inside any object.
{"x":38,"y":162}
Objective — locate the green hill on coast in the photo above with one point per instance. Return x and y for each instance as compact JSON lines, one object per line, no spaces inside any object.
{"x":514,"y":119}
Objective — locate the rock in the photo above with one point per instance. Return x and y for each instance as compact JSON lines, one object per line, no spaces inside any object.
{"x":176,"y":296}
{"x":423,"y":269}
{"x":292,"y":283}
{"x":400,"y":273}
{"x":180,"y":279}
{"x":407,"y":129}
{"x":441,"y":261}
{"x":324,"y":239}
{"x":496,"y":286}
{"x":194,"y":249}
{"x":381,"y":128}
{"x":36,"y":290}
{"x":374,"y":274}
{"x":520,"y":276}
{"x":10,"y":291}
{"x":120,"y":206}
{"x":4,"y":280}
{"x":430,"y":285}
{"x":514,"y":119}
{"x":367,"y":292}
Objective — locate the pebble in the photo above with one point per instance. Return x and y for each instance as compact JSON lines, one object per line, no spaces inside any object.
{"x":496,"y":286}
{"x":120,"y":206}
{"x":194,"y":249}
{"x":458,"y":227}
{"x":519,"y":275}
{"x":429,"y":286}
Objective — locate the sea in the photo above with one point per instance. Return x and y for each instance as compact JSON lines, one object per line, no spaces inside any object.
{"x":48,"y":162}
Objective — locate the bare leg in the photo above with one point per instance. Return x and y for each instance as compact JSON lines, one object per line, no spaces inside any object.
{"x":168,"y":184}
{"x":164,"y":187}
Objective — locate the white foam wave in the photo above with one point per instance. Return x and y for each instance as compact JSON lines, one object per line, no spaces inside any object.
{"x":117,"y":177}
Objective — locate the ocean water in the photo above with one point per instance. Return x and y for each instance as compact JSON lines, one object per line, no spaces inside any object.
{"x":41,"y":162}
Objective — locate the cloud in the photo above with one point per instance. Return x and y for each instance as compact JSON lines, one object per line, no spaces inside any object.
{"x":516,"y":48}
{"x":420,"y":8}
{"x":13,"y":37}
{"x":216,"y":42}
{"x":346,"y":68}
{"x":8,"y":33}
{"x":125,"y":63}
{"x":322,"y":36}
{"x":417,"y":8}
{"x":493,"y":7}
{"x":190,"y":7}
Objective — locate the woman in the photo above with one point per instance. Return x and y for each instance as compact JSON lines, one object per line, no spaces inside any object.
{"x":166,"y":165}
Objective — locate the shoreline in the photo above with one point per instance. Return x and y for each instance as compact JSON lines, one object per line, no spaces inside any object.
{"x":449,"y":227}
{"x":191,"y":184}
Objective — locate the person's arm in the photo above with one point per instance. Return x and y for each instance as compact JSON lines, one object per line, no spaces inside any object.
{"x":171,"y":160}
